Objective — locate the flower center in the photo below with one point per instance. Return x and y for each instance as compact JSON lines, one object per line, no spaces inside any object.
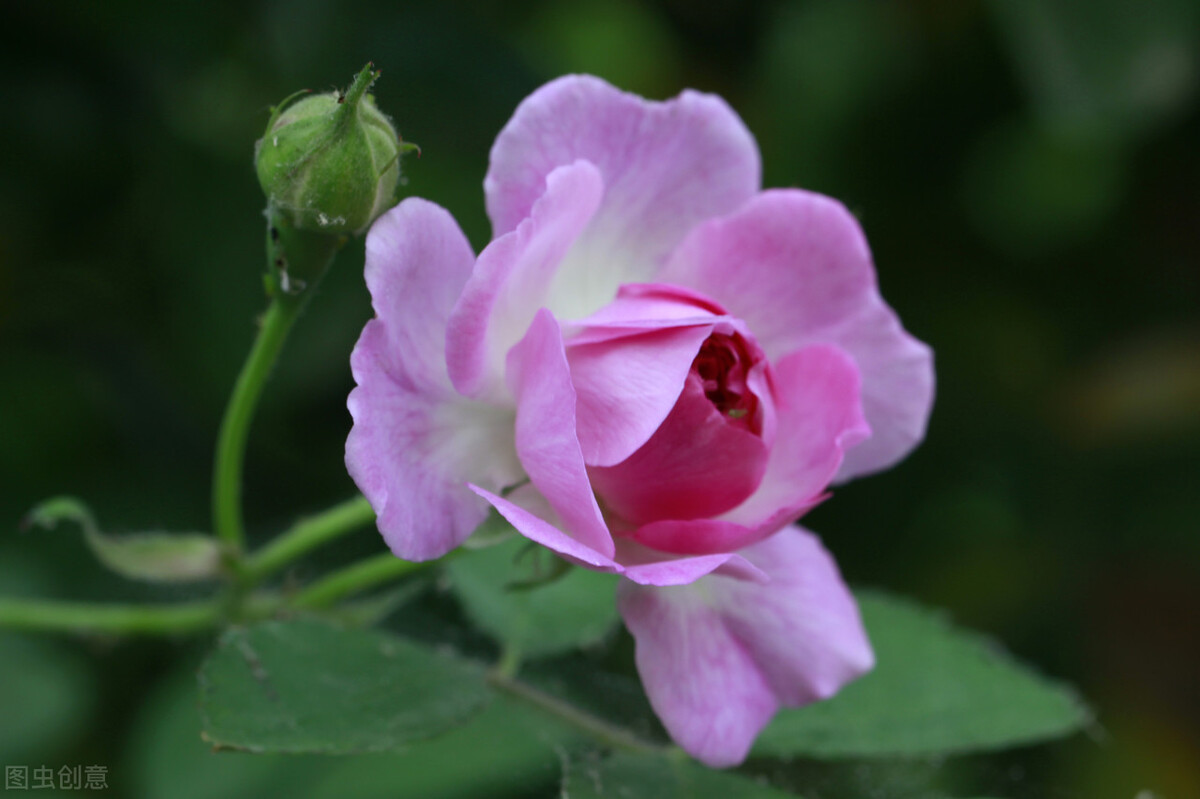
{"x":721,"y":366}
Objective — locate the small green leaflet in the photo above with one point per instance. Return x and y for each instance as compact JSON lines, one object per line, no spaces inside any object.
{"x":156,"y":557}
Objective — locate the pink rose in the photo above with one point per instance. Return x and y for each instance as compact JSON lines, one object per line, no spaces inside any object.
{"x":669,"y":365}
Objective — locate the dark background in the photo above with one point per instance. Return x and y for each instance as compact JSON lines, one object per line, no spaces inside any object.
{"x":1026,"y":172}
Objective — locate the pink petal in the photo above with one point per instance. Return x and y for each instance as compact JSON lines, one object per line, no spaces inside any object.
{"x":625,"y":387}
{"x":695,"y":465}
{"x":701,"y":681}
{"x":513,"y":277}
{"x":796,"y":267}
{"x":818,"y":417}
{"x":412,"y":451}
{"x":417,"y":262}
{"x":578,"y":334}
{"x":696,"y":536}
{"x":415,"y":443}
{"x":646,"y":566}
{"x":547,"y":442}
{"x":666,"y":167}
{"x":803,"y":627}
{"x":546,"y":533}
{"x":718,"y":657}
{"x":646,"y":306}
{"x":897,"y":391}
{"x":532,"y":516}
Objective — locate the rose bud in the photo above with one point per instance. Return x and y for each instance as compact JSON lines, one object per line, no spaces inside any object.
{"x":329,"y":163}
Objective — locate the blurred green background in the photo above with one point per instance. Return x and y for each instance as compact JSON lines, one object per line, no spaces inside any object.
{"x":1028,"y":174}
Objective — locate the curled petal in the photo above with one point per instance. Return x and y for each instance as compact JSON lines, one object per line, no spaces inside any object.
{"x":628,"y":364}
{"x":547,"y":441}
{"x":646,"y":306}
{"x":548,"y":532}
{"x":626,"y":387}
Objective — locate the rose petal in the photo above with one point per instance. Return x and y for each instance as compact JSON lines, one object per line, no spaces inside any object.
{"x":412,"y":451}
{"x":796,"y":268}
{"x":646,"y":566}
{"x":417,"y":262}
{"x":696,"y":536}
{"x":718,"y":657}
{"x":415,"y":443}
{"x":626,"y":387}
{"x":695,"y":465}
{"x":620,"y":319}
{"x":701,"y":681}
{"x":629,"y":361}
{"x":666,"y":167}
{"x":547,"y":442}
{"x":897,"y":391}
{"x":818,"y":418}
{"x":647,"y":306}
{"x":548,"y":534}
{"x":512,"y":279}
{"x":532,"y":516}
{"x":803,"y":627}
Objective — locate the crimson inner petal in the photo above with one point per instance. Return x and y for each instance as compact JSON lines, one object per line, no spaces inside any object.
{"x":721,"y":366}
{"x":706,"y":457}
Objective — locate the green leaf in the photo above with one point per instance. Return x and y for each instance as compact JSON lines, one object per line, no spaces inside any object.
{"x":935,"y":690}
{"x":655,"y":777}
{"x":584,"y":681}
{"x":165,"y":758}
{"x":858,"y":778}
{"x":503,"y":590}
{"x":307,"y":686}
{"x":510,"y":749}
{"x":157,"y":557}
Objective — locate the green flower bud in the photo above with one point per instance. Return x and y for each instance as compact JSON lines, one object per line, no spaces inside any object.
{"x":329,"y":163}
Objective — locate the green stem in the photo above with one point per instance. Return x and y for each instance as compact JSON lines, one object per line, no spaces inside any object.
{"x":306,"y":535}
{"x":598,"y":728}
{"x":86,"y":617}
{"x":231,"y":441}
{"x":296,"y":261}
{"x":509,"y":663}
{"x":358,"y":577}
{"x":83,"y":617}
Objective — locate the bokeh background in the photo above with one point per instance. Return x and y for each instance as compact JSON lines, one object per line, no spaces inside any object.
{"x":1027,"y":171}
